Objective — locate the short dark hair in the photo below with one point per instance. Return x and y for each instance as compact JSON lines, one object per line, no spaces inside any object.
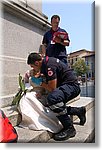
{"x":33,"y":57}
{"x":55,"y":16}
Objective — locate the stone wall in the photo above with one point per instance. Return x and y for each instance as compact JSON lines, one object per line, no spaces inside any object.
{"x":22,"y":32}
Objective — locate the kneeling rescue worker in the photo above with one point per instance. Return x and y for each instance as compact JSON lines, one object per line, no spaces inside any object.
{"x":62,"y":85}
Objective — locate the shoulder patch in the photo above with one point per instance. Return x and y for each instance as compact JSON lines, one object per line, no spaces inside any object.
{"x":50,"y":73}
{"x":57,"y":60}
{"x":49,"y":68}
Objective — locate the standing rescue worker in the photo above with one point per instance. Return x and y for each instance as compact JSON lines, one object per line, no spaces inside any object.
{"x":62,"y":86}
{"x":56,"y":48}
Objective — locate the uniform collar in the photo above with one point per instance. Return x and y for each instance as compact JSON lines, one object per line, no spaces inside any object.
{"x":54,"y":31}
{"x":44,"y":62}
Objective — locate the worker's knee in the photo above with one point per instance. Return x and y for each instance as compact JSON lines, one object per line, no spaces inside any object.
{"x":55,"y":97}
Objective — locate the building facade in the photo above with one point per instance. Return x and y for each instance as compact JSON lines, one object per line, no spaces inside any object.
{"x":23,"y":25}
{"x":90,"y":61}
{"x":89,"y":58}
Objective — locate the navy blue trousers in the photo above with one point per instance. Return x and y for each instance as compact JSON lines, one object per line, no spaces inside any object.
{"x":58,"y":98}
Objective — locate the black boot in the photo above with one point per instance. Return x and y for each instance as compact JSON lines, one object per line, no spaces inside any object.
{"x":68,"y":130}
{"x":80,"y":112}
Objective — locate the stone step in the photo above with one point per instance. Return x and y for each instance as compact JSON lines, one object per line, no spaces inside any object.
{"x":12,"y":112}
{"x":84,"y":134}
{"x":15,"y":117}
{"x":31,"y":136}
{"x":83,"y":101}
{"x":7,"y":99}
{"x":88,"y":102}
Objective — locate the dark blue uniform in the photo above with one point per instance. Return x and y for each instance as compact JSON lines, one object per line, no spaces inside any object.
{"x":52,"y":69}
{"x":56,"y":50}
{"x":67,"y":85}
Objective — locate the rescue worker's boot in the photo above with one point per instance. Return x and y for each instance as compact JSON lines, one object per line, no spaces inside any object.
{"x":79,"y":111}
{"x":68,"y":130}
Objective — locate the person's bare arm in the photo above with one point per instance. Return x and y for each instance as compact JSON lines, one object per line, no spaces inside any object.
{"x":63,"y":42}
{"x":51,"y":85}
{"x":43,"y":49}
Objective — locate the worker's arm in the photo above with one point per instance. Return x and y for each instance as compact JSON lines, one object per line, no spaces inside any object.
{"x":62,"y":41}
{"x":52,"y":84}
{"x":43,"y":49}
{"x":65,"y":42}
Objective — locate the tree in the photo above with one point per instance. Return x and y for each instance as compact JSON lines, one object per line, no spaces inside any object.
{"x":80,"y":67}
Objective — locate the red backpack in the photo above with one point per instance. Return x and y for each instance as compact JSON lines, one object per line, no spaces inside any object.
{"x":8,"y":133}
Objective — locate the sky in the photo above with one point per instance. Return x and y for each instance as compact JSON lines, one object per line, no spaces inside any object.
{"x":76,"y":18}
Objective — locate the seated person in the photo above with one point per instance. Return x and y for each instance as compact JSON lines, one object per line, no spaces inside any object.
{"x":32,"y":107}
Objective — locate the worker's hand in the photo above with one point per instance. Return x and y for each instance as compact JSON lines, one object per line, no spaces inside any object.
{"x":57,"y":39}
{"x":38,"y":95}
{"x":37,"y":81}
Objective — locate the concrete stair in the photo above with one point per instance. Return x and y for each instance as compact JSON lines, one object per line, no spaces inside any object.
{"x":84,"y":133}
{"x":31,"y":136}
{"x":6,"y":100}
{"x":13,"y":114}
